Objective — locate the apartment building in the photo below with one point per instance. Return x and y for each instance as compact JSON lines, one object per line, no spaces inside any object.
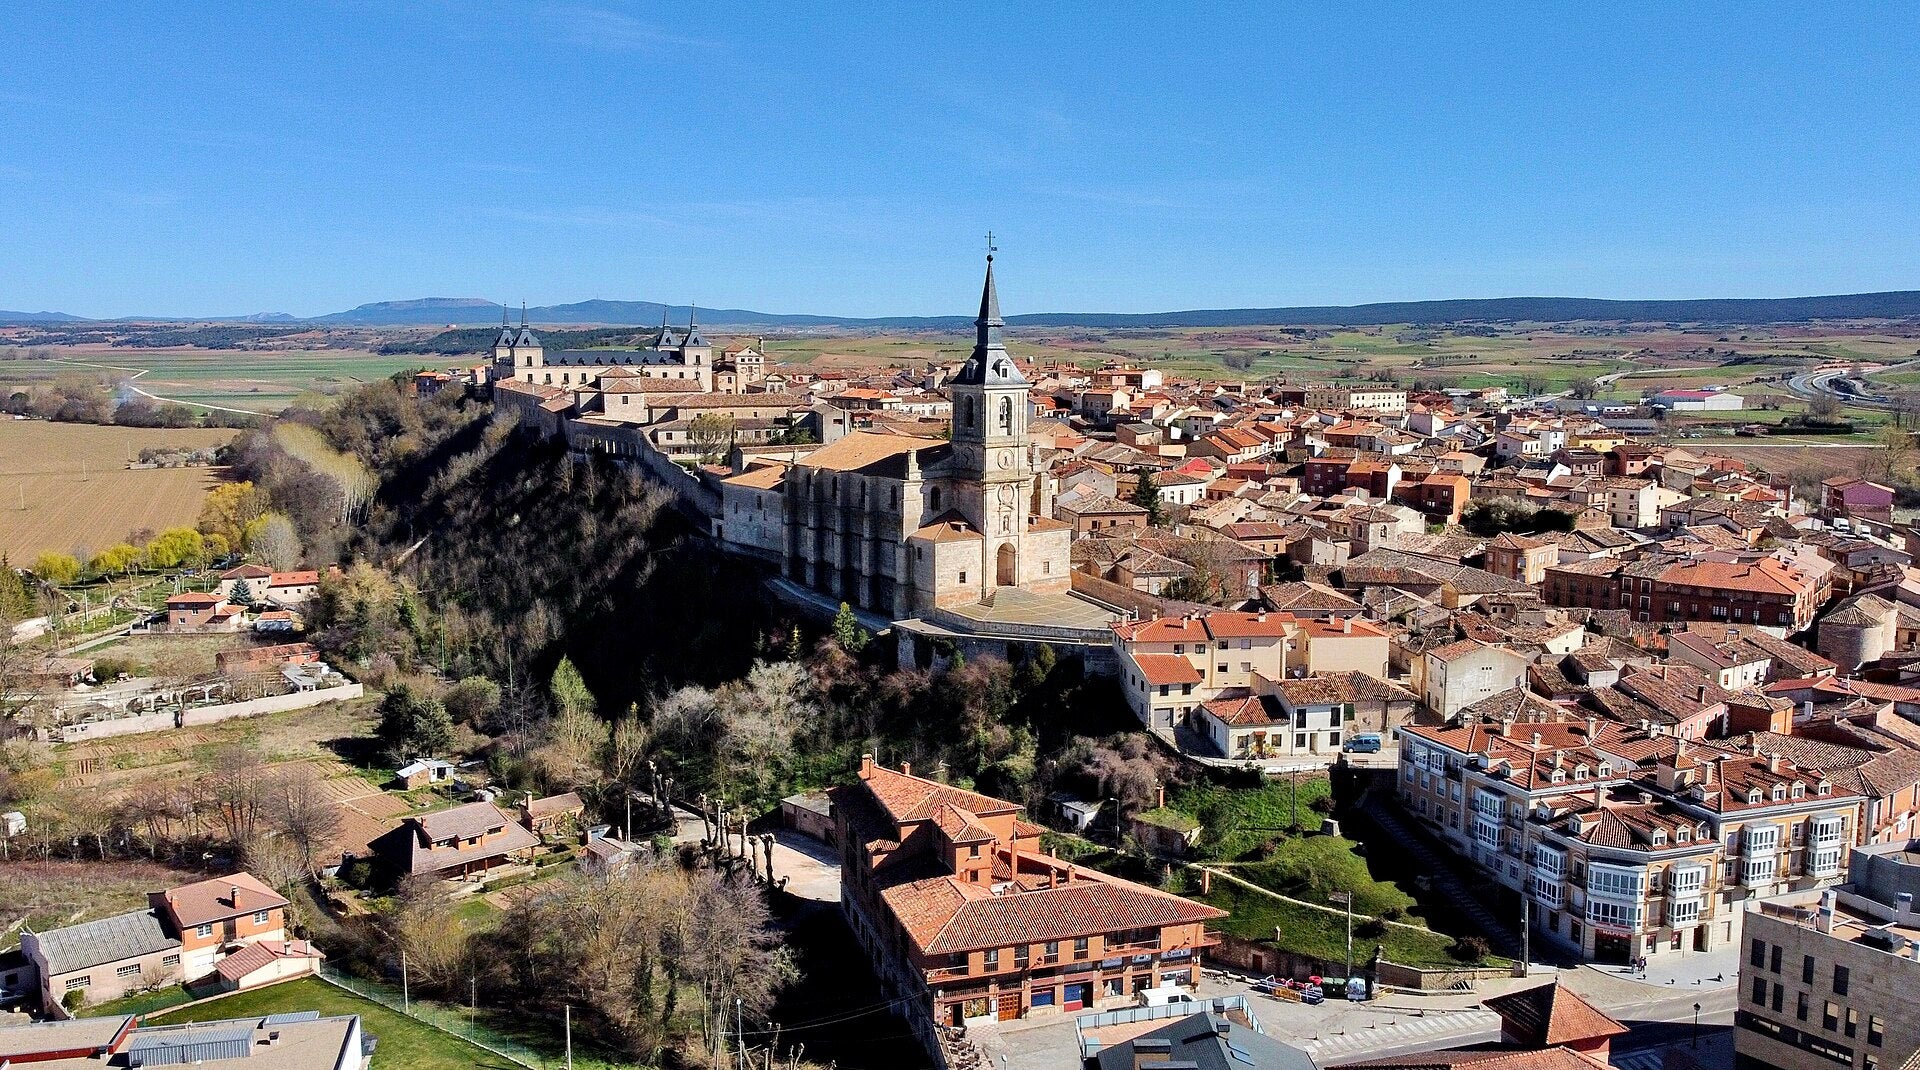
{"x":968,"y":921}
{"x":1627,"y":840}
{"x":1828,"y":979}
{"x":1170,"y":666}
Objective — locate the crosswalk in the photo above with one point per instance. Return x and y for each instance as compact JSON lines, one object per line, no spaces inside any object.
{"x":1644,"y":1059}
{"x":1431,"y":1030}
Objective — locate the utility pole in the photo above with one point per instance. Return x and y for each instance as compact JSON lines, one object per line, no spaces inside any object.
{"x":406,"y":1001}
{"x":1347,"y":898}
{"x":569,"y":1027}
{"x":739,"y":1034}
{"x":1526,"y":934}
{"x":473,"y":1001}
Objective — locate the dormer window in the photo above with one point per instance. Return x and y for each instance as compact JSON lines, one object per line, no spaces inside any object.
{"x":1659,"y":837}
{"x":1779,"y":792}
{"x":1605,"y":769}
{"x":1799,"y":790}
{"x":1682,"y":834}
{"x":1559,"y":776}
{"x":1825,"y":787}
{"x":1753,"y":795}
{"x":1580,"y":772}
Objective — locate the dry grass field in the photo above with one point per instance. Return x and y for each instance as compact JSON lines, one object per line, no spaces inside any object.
{"x":51,"y":892}
{"x":66,"y":486}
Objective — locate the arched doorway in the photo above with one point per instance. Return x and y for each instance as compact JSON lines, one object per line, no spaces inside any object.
{"x":1008,"y":574}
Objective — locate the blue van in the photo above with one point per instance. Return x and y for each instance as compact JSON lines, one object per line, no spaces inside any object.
{"x":1363,"y":743}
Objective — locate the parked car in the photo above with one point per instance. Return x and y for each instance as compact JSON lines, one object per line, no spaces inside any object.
{"x":1363,"y":743}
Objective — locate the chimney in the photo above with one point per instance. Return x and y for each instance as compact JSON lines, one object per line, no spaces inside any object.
{"x":1260,"y":616}
{"x":1700,"y":694}
{"x":866,"y":767}
{"x":1346,"y":625}
{"x":1536,"y":739}
{"x":906,"y":768}
{"x":1773,"y":762}
{"x":1593,"y":727}
{"x":1151,"y":1051}
{"x":233,"y":895}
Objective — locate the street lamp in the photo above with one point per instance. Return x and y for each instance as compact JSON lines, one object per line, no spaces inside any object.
{"x":1696,"y":1025}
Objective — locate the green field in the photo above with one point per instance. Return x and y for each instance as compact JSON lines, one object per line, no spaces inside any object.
{"x":264,"y":381}
{"x":403,"y":1041}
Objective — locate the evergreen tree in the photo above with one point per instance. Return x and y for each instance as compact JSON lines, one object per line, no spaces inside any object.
{"x":1146,"y":495}
{"x":413,"y":724}
{"x":241,"y":594}
{"x":848,"y":632}
{"x":570,"y":694}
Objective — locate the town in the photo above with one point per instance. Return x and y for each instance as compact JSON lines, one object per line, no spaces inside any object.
{"x":1250,"y":537}
{"x":1638,"y":715}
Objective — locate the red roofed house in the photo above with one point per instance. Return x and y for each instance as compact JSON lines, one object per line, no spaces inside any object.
{"x":966,"y":920}
{"x":1171,"y":666}
{"x":196,"y":611}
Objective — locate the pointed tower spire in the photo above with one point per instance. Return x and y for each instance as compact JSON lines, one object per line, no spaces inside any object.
{"x":523,"y":313}
{"x":989,"y":362}
{"x":504,"y":309}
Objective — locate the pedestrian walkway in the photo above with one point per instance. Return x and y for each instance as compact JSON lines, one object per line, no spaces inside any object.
{"x":1427,"y":1032}
{"x":1443,"y":876}
{"x":1689,"y":970}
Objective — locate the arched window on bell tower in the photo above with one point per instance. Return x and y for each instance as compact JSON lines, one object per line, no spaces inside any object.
{"x":966,"y":412}
{"x":1006,"y":416}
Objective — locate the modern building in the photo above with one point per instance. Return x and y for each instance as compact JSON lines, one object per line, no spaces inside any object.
{"x":1829,"y":979}
{"x":967,"y":920}
{"x":1171,"y":666}
{"x":300,"y":1040}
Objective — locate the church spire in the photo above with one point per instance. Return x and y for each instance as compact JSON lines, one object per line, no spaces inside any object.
{"x":989,"y":362}
{"x":523,"y":313}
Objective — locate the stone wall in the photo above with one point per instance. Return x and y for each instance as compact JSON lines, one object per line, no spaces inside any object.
{"x":201,"y":715}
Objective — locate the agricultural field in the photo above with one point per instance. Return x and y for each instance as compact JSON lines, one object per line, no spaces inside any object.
{"x":47,"y":893}
{"x":256,"y":381}
{"x":66,"y":487}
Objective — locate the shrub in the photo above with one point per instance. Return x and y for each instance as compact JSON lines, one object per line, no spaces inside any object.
{"x":1322,"y":804}
{"x":1469,"y":949}
{"x":1372,"y":929}
{"x":74,"y":1000}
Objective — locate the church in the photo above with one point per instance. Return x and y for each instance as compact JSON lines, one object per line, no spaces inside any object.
{"x":901,"y":525}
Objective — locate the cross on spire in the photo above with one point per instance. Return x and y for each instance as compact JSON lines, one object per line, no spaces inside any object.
{"x":991,"y":248}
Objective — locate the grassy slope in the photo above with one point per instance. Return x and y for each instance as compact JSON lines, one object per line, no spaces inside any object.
{"x":403,"y":1041}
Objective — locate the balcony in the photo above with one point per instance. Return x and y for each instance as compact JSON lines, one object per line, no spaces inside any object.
{"x":947,"y":973}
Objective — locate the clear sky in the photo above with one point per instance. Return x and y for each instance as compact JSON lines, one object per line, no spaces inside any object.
{"x":306,"y":157}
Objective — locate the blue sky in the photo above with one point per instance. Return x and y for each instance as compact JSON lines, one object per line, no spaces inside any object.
{"x":204,"y":160}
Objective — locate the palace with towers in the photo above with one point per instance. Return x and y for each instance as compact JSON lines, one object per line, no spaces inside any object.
{"x":678,"y":361}
{"x":899,"y":525}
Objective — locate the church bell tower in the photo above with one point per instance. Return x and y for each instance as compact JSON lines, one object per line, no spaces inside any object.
{"x":990,"y":446}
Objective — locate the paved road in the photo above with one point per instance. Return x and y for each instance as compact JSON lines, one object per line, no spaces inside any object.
{"x":1820,"y":383}
{"x":138,"y":372}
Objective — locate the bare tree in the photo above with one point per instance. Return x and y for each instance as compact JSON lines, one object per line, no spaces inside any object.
{"x":304,"y":815}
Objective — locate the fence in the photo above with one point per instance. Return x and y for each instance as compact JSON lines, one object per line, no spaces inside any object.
{"x":464,"y":1024}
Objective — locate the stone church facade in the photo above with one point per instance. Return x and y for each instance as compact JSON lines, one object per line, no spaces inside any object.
{"x":899,"y":525}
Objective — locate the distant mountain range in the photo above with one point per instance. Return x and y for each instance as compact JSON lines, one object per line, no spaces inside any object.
{"x":466,"y":311}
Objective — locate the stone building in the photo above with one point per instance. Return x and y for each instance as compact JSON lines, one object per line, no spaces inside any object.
{"x":901,"y":525}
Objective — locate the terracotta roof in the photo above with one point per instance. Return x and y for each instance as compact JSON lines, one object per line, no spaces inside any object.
{"x":263,"y":953}
{"x":949,"y":526}
{"x":554,"y":805}
{"x":907,"y":798}
{"x":1549,"y":1014}
{"x":1166,"y":669}
{"x":214,"y":900}
{"x":944,"y":915}
{"x":864,"y":449}
{"x":1483,"y":1059}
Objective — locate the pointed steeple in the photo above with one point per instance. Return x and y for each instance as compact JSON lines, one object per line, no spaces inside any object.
{"x":523,"y":313}
{"x":506,"y":339}
{"x":693,"y":326}
{"x":989,"y":362}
